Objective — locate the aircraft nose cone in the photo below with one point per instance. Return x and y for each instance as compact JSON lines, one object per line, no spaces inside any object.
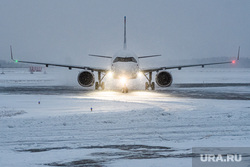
{"x":128,"y":70}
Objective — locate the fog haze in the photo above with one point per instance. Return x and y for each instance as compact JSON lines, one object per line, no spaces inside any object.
{"x":65,"y":32}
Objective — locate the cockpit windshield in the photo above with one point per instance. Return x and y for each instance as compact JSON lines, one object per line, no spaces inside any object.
{"x":125,"y":59}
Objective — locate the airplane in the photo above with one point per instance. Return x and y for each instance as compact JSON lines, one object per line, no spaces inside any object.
{"x":124,"y":66}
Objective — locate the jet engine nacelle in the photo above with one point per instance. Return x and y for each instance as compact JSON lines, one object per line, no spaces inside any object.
{"x":86,"y":79}
{"x":163,"y":79}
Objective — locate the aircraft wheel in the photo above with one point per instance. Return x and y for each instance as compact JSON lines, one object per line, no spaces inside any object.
{"x":146,"y":86}
{"x":153,"y":86}
{"x":103,"y":86}
{"x":96,"y":86}
{"x":126,"y":90}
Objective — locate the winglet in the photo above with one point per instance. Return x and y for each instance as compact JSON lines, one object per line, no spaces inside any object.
{"x":238,"y":57}
{"x":11,"y":55}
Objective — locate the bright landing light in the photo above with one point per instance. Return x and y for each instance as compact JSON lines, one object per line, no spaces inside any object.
{"x":110,"y":74}
{"x":233,"y":61}
{"x":139,"y":74}
{"x":123,"y":80}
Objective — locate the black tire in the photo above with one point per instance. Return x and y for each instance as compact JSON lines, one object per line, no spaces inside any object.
{"x":103,"y":86}
{"x":146,"y":86}
{"x":153,"y":86}
{"x":96,"y":86}
{"x":124,"y":90}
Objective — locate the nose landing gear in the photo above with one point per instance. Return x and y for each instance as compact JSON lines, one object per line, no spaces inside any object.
{"x":125,"y":89}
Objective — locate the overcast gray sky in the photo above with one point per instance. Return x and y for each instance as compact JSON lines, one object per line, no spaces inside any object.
{"x":66,"y":31}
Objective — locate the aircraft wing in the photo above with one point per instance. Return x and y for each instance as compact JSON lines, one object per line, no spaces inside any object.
{"x":192,"y":65}
{"x":60,"y":65}
{"x":183,"y":66}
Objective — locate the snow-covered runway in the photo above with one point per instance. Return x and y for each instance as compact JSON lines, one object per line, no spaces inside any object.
{"x":141,"y":128}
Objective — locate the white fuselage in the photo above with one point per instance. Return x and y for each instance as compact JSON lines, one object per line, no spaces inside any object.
{"x":125,"y":64}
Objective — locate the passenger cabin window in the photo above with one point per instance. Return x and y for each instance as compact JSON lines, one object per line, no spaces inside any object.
{"x":125,"y":59}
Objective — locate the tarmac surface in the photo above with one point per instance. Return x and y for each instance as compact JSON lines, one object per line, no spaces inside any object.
{"x":223,"y":91}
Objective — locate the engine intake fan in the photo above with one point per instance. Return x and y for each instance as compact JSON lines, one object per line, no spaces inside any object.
{"x":163,"y":79}
{"x":86,"y":79}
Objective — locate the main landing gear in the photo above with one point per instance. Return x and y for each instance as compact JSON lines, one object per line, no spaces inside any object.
{"x":100,"y":84}
{"x":149,"y":84}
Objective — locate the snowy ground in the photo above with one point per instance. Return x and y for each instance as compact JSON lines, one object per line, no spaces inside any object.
{"x":204,"y":107}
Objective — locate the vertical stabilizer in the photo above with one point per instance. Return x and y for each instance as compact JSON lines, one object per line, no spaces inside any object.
{"x":125,"y":40}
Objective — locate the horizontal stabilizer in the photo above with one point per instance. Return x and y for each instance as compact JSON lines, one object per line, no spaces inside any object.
{"x":143,"y":57}
{"x":108,"y":57}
